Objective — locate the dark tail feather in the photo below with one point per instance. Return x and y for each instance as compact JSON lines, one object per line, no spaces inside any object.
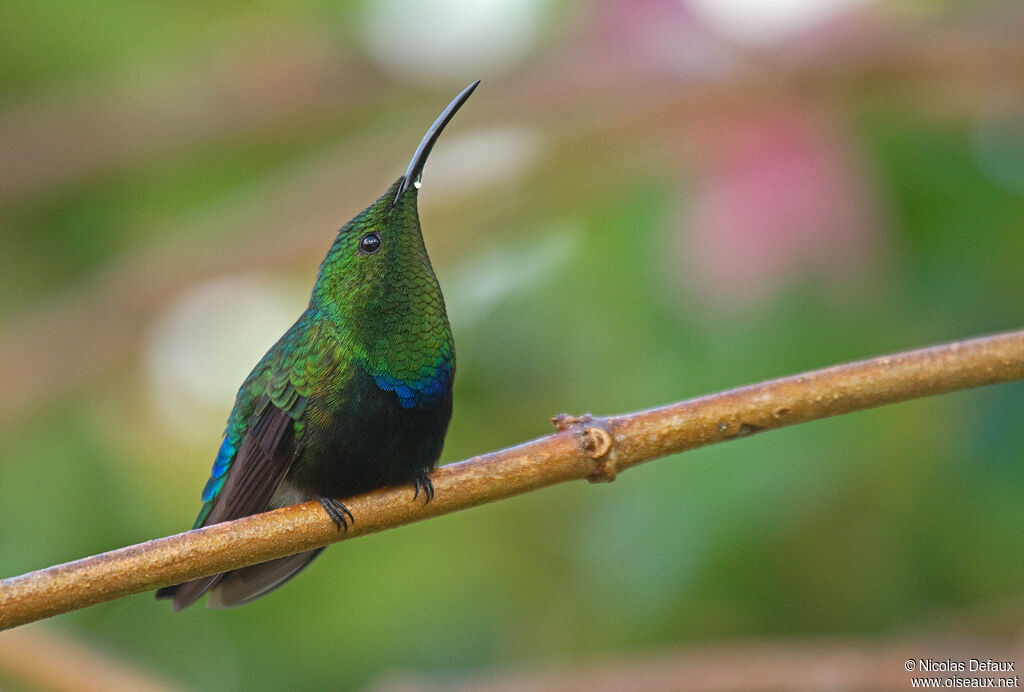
{"x":240,"y":586}
{"x":249,"y":583}
{"x":166,"y":592}
{"x":188,"y":593}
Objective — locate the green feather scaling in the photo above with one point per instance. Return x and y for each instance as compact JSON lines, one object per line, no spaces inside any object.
{"x":392,"y":313}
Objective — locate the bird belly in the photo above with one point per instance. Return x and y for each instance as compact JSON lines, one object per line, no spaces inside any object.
{"x":366,"y":440}
{"x":287,"y":494}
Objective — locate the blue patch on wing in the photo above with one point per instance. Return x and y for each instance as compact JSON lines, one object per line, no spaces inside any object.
{"x":225,"y":455}
{"x":433,"y":383}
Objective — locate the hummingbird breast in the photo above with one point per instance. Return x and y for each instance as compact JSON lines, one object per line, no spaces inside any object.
{"x":362,"y":436}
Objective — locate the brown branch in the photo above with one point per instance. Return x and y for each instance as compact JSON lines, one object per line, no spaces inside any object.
{"x":737,"y":666}
{"x":584,"y":447}
{"x":37,"y":658}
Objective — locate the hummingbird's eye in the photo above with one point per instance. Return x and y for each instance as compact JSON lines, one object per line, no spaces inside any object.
{"x":369,"y":243}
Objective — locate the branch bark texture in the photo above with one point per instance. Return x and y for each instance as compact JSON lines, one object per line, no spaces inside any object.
{"x":584,"y":447}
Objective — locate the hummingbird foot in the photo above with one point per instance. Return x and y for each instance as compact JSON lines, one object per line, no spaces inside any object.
{"x":336,"y":511}
{"x":423,"y":482}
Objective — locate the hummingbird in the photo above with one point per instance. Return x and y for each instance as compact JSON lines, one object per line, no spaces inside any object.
{"x":356,"y":395}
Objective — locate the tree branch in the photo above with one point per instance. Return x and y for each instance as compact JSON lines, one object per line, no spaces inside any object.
{"x":823,"y":663}
{"x":584,"y":447}
{"x":41,"y":659}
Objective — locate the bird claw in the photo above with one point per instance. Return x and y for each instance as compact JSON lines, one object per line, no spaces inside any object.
{"x":423,"y":482}
{"x":337,"y":512}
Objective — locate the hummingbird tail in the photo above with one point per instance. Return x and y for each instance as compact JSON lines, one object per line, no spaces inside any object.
{"x":249,"y":583}
{"x":188,"y":593}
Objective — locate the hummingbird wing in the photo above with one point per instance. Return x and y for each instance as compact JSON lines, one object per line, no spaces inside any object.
{"x":265,"y":455}
{"x":244,"y":483}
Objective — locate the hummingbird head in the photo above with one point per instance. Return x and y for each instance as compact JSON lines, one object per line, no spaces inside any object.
{"x":377,"y":270}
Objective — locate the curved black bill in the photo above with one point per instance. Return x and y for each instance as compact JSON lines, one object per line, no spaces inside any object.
{"x":415,"y":169}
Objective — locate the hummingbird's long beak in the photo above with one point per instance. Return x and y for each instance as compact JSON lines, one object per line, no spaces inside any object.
{"x":415,"y":169}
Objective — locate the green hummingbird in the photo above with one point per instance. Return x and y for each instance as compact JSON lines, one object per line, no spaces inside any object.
{"x":356,"y":395}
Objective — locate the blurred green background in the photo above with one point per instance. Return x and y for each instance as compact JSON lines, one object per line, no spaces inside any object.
{"x":643,"y":202}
